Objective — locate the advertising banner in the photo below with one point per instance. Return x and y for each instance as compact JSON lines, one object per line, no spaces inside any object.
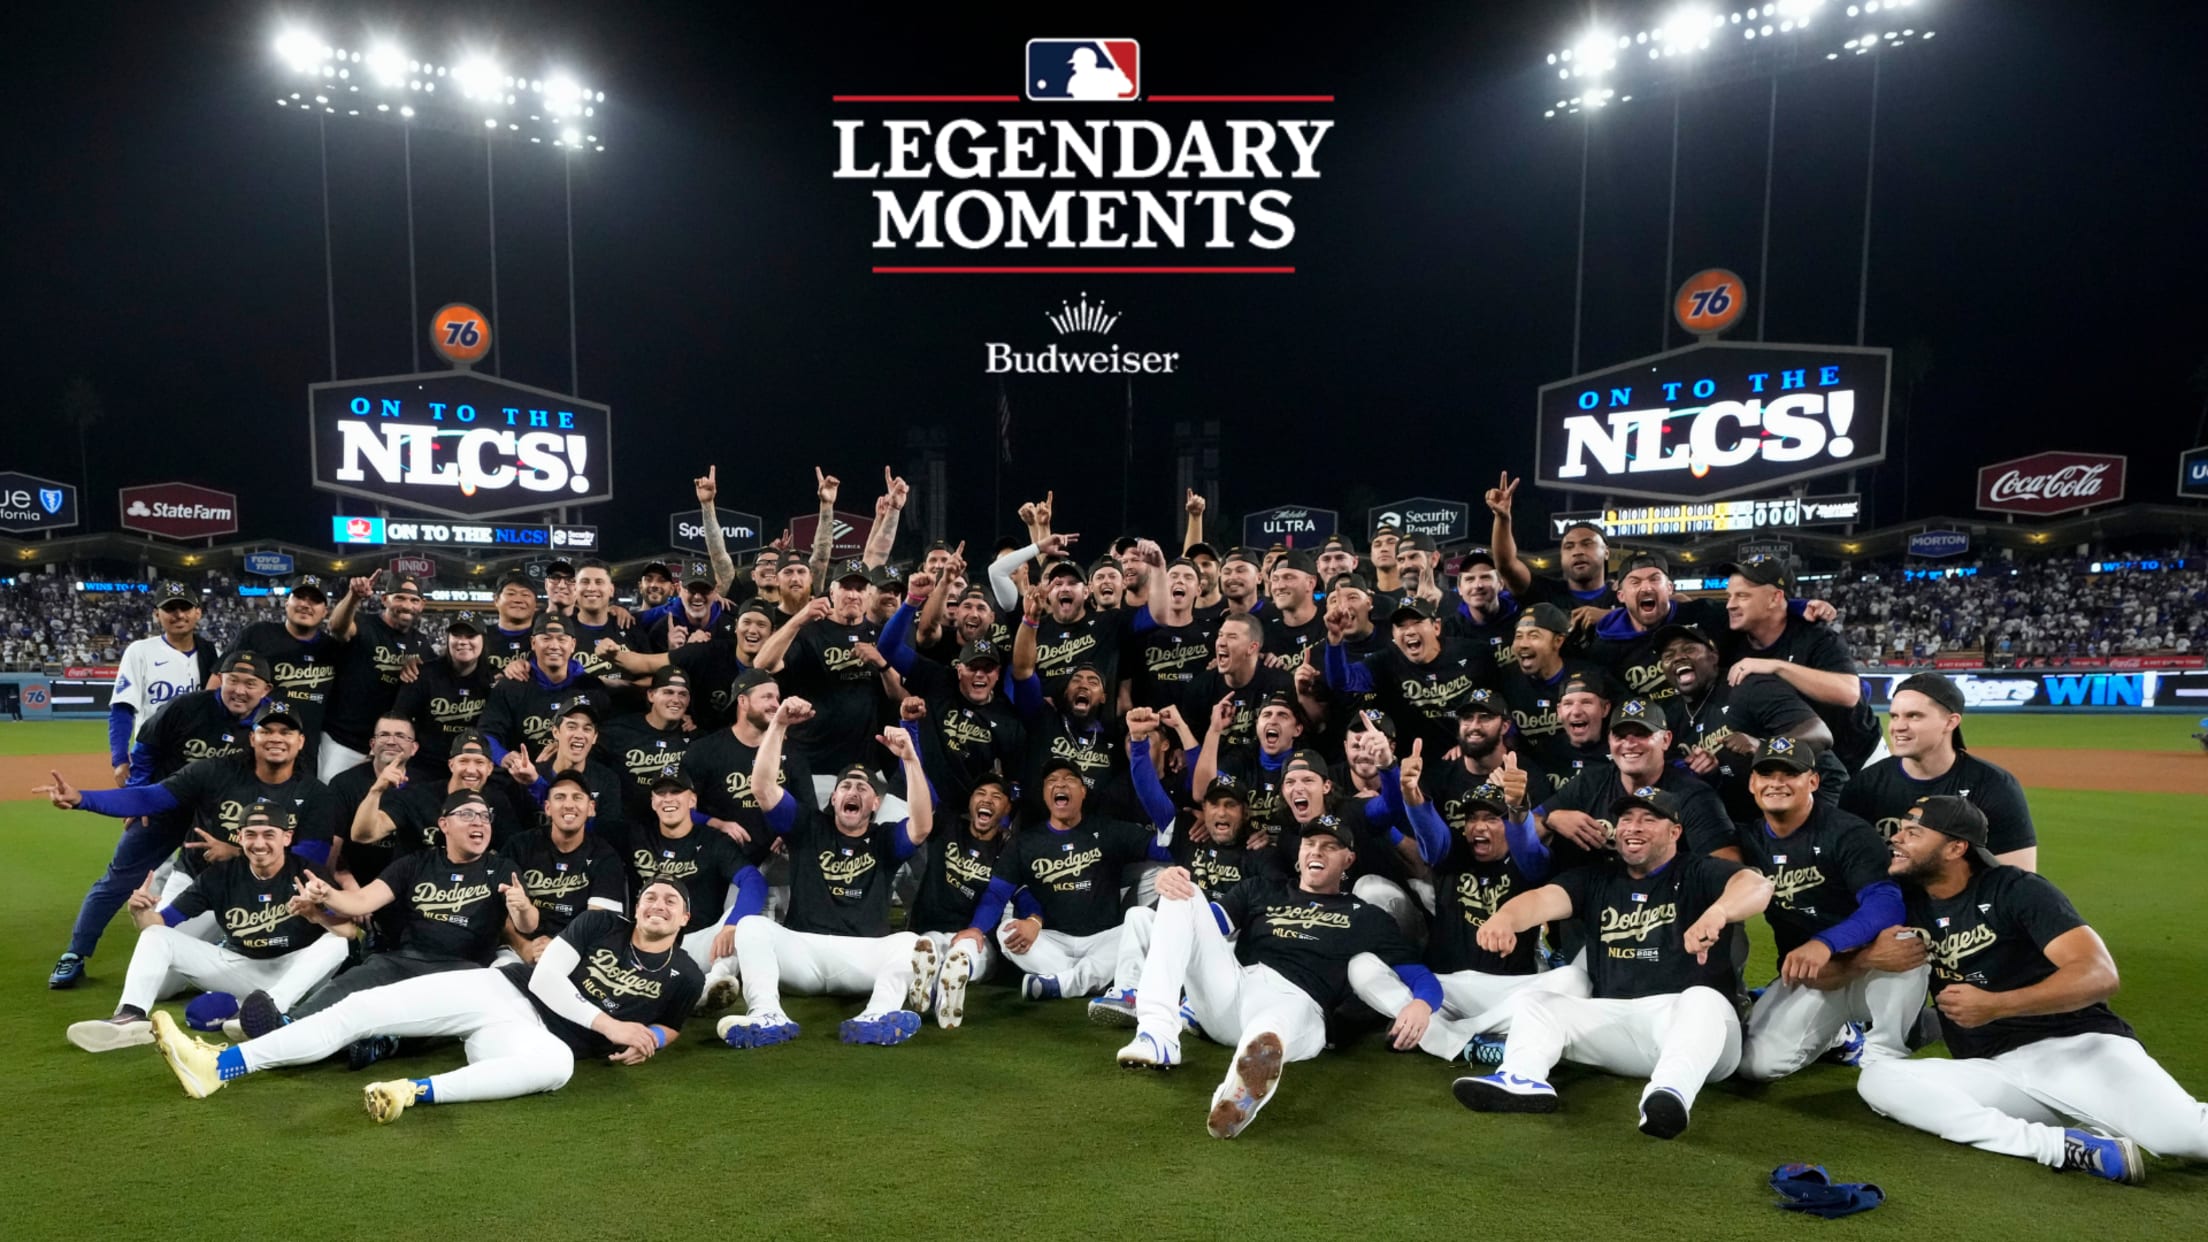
{"x":179,"y":511}
{"x":1447,"y":521}
{"x":1937,"y":543}
{"x":849,"y":533}
{"x":32,"y":505}
{"x":686,"y":529}
{"x":1295,"y":526}
{"x":2046,"y":484}
{"x":268,"y":564}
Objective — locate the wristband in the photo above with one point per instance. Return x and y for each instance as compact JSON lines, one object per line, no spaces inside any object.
{"x":1031,"y":623}
{"x":659,"y":1035}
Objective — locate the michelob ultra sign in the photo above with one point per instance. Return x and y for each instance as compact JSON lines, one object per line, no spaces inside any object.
{"x":459,"y":444}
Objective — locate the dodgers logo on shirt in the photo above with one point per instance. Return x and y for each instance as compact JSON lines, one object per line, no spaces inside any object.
{"x":1083,"y":69}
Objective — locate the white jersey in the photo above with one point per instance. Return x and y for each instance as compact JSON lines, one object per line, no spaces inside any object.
{"x":152,"y":673}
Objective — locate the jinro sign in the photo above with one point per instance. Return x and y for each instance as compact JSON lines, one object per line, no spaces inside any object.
{"x":179,"y":511}
{"x":462,"y":445}
{"x":1712,"y":420}
{"x":2046,"y":484}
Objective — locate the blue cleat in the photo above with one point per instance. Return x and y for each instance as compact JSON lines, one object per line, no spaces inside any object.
{"x":68,"y":973}
{"x":751,"y":1030}
{"x":1505,"y":1093}
{"x":1040,"y":987}
{"x":1847,"y":1048}
{"x":1483,"y":1050}
{"x":363,"y":1053}
{"x":2104,"y":1155}
{"x":885,"y":1029}
{"x":1114,"y":1008}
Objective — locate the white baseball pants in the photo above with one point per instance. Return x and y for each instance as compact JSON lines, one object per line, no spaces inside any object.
{"x":2016,"y":1103}
{"x":1083,"y":964}
{"x":770,"y":957}
{"x":509,"y":1051}
{"x":1679,"y":1040}
{"x":168,"y":961}
{"x":983,"y":955}
{"x":1233,"y":1003}
{"x":1472,"y":1003}
{"x":332,"y":759}
{"x":1398,"y":901}
{"x":1792,"y":1026}
{"x":202,"y":926}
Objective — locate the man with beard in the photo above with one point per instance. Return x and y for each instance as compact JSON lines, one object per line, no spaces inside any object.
{"x":1418,"y":569}
{"x":199,"y":724}
{"x":956,"y":616}
{"x":655,"y":587}
{"x":962,"y":856}
{"x":506,"y":644}
{"x":594,"y":621}
{"x":1720,"y":723}
{"x":1066,"y":630}
{"x":1493,"y":856}
{"x":693,"y":614}
{"x":1167,"y":660}
{"x":1106,"y":579}
{"x":1077,"y":731}
{"x":374,"y":651}
{"x":1925,"y":721}
{"x":1253,"y":770}
{"x":1069,"y":864}
{"x":726,"y":889}
{"x":1583,"y":732}
{"x":793,"y":585}
{"x":1583,"y":555}
{"x":1830,"y":898}
{"x":712,"y":659}
{"x":817,"y":656}
{"x":607,"y":988}
{"x":1658,"y":924}
{"x":302,"y":655}
{"x":564,"y":869}
{"x":1238,"y":672}
{"x":1242,"y":582}
{"x":445,"y":697}
{"x":268,"y":940}
{"x":2022,"y":985}
{"x":1293,"y":624}
{"x":1379,"y":874}
{"x":573,"y":748}
{"x":973,"y":730}
{"x":1812,"y":659}
{"x":1486,"y":747}
{"x":391,"y":743}
{"x":1579,"y":820}
{"x":1482,"y":611}
{"x":1210,"y":603}
{"x":1421,"y":681}
{"x":1624,"y":641}
{"x":718,"y":766}
{"x":407,"y":820}
{"x":1532,"y":680}
{"x":643,"y":746}
{"x":837,"y":941}
{"x":519,"y":716}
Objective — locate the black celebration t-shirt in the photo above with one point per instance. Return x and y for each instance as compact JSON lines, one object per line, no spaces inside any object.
{"x":840,"y":885}
{"x":448,"y":909}
{"x":563,"y":884}
{"x":1310,"y":937}
{"x":1073,"y":873}
{"x":1884,"y":791}
{"x":1993,"y":936}
{"x":1637,"y":927}
{"x":1816,"y":871}
{"x":621,"y":979}
{"x":255,"y":913}
{"x":1467,"y":893}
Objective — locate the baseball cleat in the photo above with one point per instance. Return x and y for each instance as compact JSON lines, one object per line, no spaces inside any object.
{"x":108,"y":1034}
{"x":386,"y":1100}
{"x":1483,"y":1050}
{"x":2109,"y":1156}
{"x":1847,"y":1046}
{"x":755,"y":1030}
{"x":884,"y":1029}
{"x":1040,"y":987}
{"x":721,"y":991}
{"x":1663,"y":1114}
{"x":362,"y":1053}
{"x":926,"y":964}
{"x":1114,"y":1008}
{"x":1149,"y":1052}
{"x":233,"y":1030}
{"x":258,"y":1015}
{"x":1251,"y":1080}
{"x":1505,"y":1093}
{"x":68,"y":973}
{"x":1189,"y":1024}
{"x":191,"y":1058}
{"x":950,"y":987}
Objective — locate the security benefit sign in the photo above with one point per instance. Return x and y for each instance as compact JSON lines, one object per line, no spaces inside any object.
{"x":462,"y":445}
{"x":1716,"y":419}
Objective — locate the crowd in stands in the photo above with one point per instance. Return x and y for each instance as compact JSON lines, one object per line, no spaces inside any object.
{"x":2024,"y":615}
{"x":45,"y":620}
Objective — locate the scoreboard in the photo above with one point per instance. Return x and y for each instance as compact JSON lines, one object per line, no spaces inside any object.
{"x":1718,"y":517}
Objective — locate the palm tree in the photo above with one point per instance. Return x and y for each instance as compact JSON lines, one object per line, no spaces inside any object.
{"x":81,"y":409}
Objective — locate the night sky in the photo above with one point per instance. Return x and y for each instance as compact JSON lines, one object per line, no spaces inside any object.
{"x":2039,"y":192}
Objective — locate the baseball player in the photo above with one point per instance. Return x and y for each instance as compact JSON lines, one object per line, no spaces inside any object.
{"x":172,"y":661}
{"x":302,"y":654}
{"x":1656,"y":921}
{"x":1583,"y":555}
{"x":521,"y":710}
{"x":1297,"y":938}
{"x":1256,"y":768}
{"x":718,"y":765}
{"x":572,"y":748}
{"x":1830,"y":897}
{"x":1924,"y":726}
{"x":372,"y":652}
{"x":711,"y":865}
{"x":507,"y":643}
{"x":2022,"y":985}
{"x":961,"y":859}
{"x":565,"y":869}
{"x":200,"y":724}
{"x":1485,"y":738}
{"x":273,"y":938}
{"x":606,"y":988}
{"x":643,"y":746}
{"x":1719,"y":719}
{"x":973,"y":730}
{"x":402,"y":814}
{"x":1421,"y":680}
{"x":837,"y":941}
{"x":1768,"y":636}
{"x":1580,"y":818}
{"x":445,"y":697}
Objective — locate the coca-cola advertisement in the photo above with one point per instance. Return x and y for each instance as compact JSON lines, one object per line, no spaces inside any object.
{"x":2046,"y":484}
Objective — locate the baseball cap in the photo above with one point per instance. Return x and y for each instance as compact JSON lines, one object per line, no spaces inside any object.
{"x":1350,"y":582}
{"x":1544,"y":616}
{"x":751,"y":679}
{"x":979,"y":651}
{"x":267,"y":813}
{"x":560,"y":569}
{"x":1283,"y":699}
{"x":1488,"y":796}
{"x":1250,"y":555}
{"x":310,"y":587}
{"x":251,"y":663}
{"x":278,"y":714}
{"x":1584,"y":683}
{"x":697,"y":580}
{"x":580,"y":707}
{"x":1059,"y":763}
{"x":463,"y":623}
{"x":1667,"y":635}
{"x":671,"y":779}
{"x":1300,"y":560}
{"x":992,"y":777}
{"x":854,"y":569}
{"x":1942,"y":690}
{"x":669,"y":675}
{"x":1121,"y":545}
{"x":1651,"y":798}
{"x":406,"y":585}
{"x":862,"y":772}
{"x":1955,"y":817}
{"x":1785,"y":752}
{"x":1199,"y":548}
{"x":660,"y":568}
{"x":1475,"y":556}
{"x":551,"y":623}
{"x":1333,"y":826}
{"x":1064,"y":569}
{"x":1338,"y":542}
{"x":1226,"y":789}
{"x":1418,"y":541}
{"x":1641,"y":712}
{"x":756,"y":604}
{"x":1646,"y":560}
{"x":568,"y":776}
{"x":175,"y":593}
{"x":886,"y":577}
{"x":471,"y":739}
{"x":1308,"y":760}
{"x":1412,"y":608}
{"x":460,"y":798}
{"x":516,"y":577}
{"x":1773,"y":571}
{"x":974,"y":591}
{"x":1481,"y":701}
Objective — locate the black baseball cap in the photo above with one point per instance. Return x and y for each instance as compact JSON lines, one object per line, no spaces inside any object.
{"x":1646,"y":560}
{"x":251,"y":663}
{"x":580,"y":707}
{"x":1481,"y":701}
{"x":659,"y":568}
{"x":560,"y":569}
{"x":1226,"y":789}
{"x":1331,"y":825}
{"x":310,"y":587}
{"x":568,"y":776}
{"x":1787,"y":753}
{"x":1103,"y":562}
{"x":1546,"y":616}
{"x":1350,"y":582}
{"x":1775,"y":571}
{"x":1300,"y":560}
{"x":862,"y":772}
{"x":1059,"y":763}
{"x":1475,"y":556}
{"x":1641,"y":712}
{"x":1249,"y":555}
{"x":551,"y":623}
{"x":690,"y":581}
{"x":751,"y":679}
{"x":1489,"y":796}
{"x":460,"y":798}
{"x":980,"y":651}
{"x":1941,"y":689}
{"x":1667,"y":635}
{"x":175,"y":593}
{"x":755,"y":604}
{"x":406,"y":585}
{"x":1956,"y":817}
{"x":1588,"y":682}
{"x":671,"y":778}
{"x":471,"y":739}
{"x":1283,"y":699}
{"x":669,"y":675}
{"x":1651,"y":798}
{"x":1412,"y":608}
{"x":517,"y":577}
{"x":463,"y":623}
{"x":1064,"y":569}
{"x":1309,"y":760}
{"x":1123,"y":543}
{"x":1417,"y":541}
{"x":1200,"y":548}
{"x":853,"y":569}
{"x":885,"y":577}
{"x":991,"y":777}
{"x":1338,"y":542}
{"x":278,"y":714}
{"x":267,"y":813}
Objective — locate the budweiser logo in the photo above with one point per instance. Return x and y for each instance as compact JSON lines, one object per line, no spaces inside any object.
{"x":2068,"y":483}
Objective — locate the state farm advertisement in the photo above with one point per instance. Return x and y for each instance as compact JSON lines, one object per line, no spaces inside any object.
{"x":2046,"y":484}
{"x":179,"y":511}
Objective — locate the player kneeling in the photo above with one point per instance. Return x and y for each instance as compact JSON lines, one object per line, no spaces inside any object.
{"x":274,"y":939}
{"x":1299,"y":938}
{"x":1657,"y":925}
{"x":2022,"y":984}
{"x":607,"y":987}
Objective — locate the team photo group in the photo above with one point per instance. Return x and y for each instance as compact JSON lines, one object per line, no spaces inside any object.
{"x":1272,"y":799}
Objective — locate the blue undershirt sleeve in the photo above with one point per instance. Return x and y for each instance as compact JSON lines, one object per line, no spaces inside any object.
{"x":119,"y":719}
{"x":895,"y":643}
{"x":131,"y":800}
{"x":1422,"y":984}
{"x":1344,"y":674}
{"x":1526,"y":848}
{"x":751,"y":895}
{"x":1877,"y":907}
{"x":989,"y":911}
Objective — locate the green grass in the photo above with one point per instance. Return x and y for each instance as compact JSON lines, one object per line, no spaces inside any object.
{"x":2145,"y":731}
{"x":1020,"y":1124}
{"x":54,"y":737}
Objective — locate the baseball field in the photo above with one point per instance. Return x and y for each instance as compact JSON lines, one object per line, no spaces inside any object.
{"x":1021,"y":1125}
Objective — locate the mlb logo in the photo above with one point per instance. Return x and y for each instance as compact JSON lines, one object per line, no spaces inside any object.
{"x":1943,"y":922}
{"x":456,"y":877}
{"x":264,"y":896}
{"x":1083,"y":69}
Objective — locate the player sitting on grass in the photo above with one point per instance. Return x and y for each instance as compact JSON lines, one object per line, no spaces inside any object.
{"x":1656,"y":922}
{"x":837,"y":941}
{"x":273,"y":938}
{"x":607,"y":987}
{"x":2022,"y":984}
{"x":1298,"y":937}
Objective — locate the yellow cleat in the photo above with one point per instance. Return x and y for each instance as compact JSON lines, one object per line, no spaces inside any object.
{"x":386,"y":1100}
{"x":192,"y":1058}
